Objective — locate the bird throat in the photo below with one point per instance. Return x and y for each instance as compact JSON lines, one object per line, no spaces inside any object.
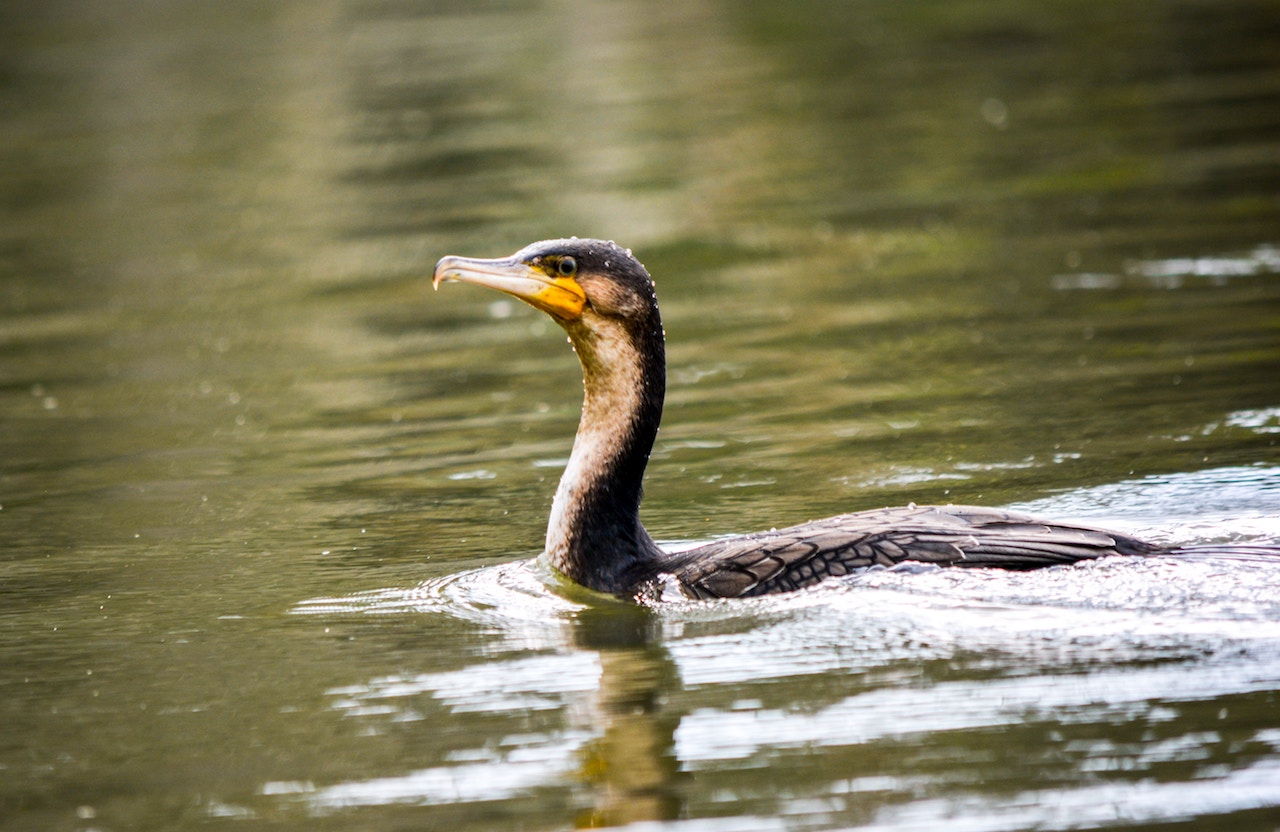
{"x":594,"y":535}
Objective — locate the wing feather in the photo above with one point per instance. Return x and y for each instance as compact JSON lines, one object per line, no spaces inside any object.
{"x":967,"y":536}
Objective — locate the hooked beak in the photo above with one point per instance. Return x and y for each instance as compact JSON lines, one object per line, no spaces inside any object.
{"x":560,"y":297}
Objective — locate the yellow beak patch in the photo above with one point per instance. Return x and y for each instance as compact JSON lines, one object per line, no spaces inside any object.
{"x":561,"y":297}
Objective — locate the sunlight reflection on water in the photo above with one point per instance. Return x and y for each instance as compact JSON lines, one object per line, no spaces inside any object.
{"x":1236,"y":504}
{"x":1124,"y":694}
{"x":1251,"y":787}
{"x":508,"y":775}
{"x":1173,"y":273}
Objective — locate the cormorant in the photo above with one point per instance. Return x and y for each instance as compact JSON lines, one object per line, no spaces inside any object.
{"x":605,"y":300}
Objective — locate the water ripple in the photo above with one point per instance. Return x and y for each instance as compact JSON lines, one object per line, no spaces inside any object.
{"x":514,"y":600}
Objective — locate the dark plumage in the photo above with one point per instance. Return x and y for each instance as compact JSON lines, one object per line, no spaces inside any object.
{"x":605,"y":301}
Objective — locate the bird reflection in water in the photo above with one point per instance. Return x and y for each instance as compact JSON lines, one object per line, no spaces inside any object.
{"x":631,"y":768}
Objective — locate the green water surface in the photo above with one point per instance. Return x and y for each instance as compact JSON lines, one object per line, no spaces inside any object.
{"x":989,"y":252}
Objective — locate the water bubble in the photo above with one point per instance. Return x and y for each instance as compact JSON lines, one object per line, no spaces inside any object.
{"x":995,"y":112}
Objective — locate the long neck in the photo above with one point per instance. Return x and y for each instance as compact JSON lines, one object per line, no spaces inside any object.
{"x":594,"y":535}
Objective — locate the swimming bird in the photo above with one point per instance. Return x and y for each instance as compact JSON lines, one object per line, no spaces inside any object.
{"x":605,"y":300}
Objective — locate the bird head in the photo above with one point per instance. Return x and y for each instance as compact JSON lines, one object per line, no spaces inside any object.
{"x":574,"y":281}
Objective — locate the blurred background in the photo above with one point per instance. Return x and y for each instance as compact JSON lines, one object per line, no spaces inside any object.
{"x":995,"y":252}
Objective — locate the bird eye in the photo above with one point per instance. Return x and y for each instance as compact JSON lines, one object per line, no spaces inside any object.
{"x":567,"y":266}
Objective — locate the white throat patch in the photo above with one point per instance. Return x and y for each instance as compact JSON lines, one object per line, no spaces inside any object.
{"x":613,"y":387}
